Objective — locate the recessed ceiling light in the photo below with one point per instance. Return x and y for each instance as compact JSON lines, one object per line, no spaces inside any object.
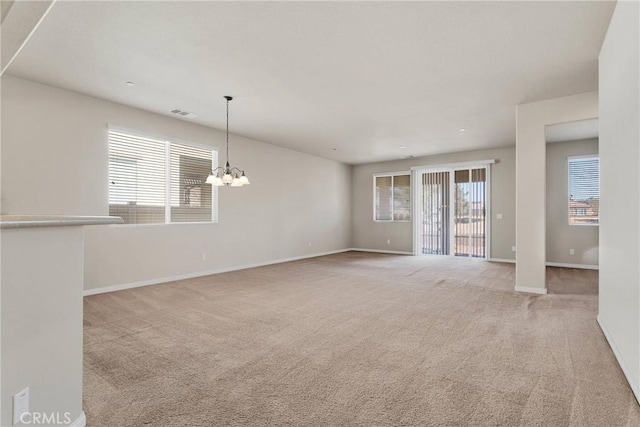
{"x":130,"y":84}
{"x":402,"y":146}
{"x":462,"y":129}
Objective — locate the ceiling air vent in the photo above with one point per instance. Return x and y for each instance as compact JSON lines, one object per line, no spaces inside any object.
{"x":182,"y":113}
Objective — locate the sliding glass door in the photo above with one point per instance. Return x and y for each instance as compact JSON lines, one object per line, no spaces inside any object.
{"x":450,"y":213}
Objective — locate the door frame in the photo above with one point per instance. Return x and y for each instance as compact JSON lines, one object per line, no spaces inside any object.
{"x":416,"y":196}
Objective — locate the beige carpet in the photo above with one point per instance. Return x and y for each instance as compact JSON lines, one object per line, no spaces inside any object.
{"x":354,"y":339}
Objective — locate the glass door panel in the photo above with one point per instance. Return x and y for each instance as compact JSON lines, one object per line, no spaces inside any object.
{"x":477,"y":213}
{"x":470,"y":212}
{"x":435,"y":213}
{"x":461,"y":213}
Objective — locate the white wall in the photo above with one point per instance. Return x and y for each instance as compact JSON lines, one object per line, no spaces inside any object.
{"x":619,"y":312}
{"x":54,"y":161}
{"x":42,"y":320}
{"x":531,"y":120}
{"x":368,"y":234}
{"x":561,"y":237}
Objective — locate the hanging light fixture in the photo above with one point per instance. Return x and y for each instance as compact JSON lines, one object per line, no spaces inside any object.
{"x":227,"y":175}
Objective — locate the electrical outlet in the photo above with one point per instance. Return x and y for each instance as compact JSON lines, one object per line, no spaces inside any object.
{"x":204,"y":256}
{"x":513,"y":248}
{"x":498,"y":216}
{"x":388,"y":241}
{"x":572,"y":252}
{"x":309,"y":244}
{"x":20,"y":405}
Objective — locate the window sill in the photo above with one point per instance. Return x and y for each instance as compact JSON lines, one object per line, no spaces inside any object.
{"x":165,"y":224}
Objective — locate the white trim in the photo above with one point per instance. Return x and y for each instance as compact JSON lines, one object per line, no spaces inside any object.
{"x":159,"y":280}
{"x":163,"y":224}
{"x":392,"y":173}
{"x":616,"y":352}
{"x":390,"y":221}
{"x":510,"y":261}
{"x":382,"y":251}
{"x":584,"y":156}
{"x":488,"y":218}
{"x":541,"y":291}
{"x":81,"y":421}
{"x":444,"y":167}
{"x":452,"y":211}
{"x":167,"y":182}
{"x":563,"y":265}
{"x":416,"y":188}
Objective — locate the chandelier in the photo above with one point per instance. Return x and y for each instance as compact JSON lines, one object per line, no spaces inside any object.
{"x":227,"y":175}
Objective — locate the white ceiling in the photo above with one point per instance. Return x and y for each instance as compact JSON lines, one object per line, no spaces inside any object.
{"x":572,"y":131}
{"x":362,"y":78}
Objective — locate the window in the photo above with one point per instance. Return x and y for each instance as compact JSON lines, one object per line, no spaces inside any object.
{"x":155,"y":181}
{"x":392,"y":197}
{"x":584,"y":190}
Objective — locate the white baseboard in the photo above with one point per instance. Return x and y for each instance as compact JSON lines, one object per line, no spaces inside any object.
{"x":510,"y":261}
{"x":382,"y":251}
{"x":616,"y":353}
{"x":81,"y":421}
{"x":541,"y":291}
{"x":550,"y":264}
{"x":563,"y":265}
{"x":159,"y":280}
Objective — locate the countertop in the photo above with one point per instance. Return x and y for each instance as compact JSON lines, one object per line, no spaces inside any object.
{"x":30,"y":221}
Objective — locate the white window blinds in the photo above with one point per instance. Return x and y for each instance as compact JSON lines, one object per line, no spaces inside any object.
{"x":384,"y":198}
{"x":584,"y":190}
{"x":402,"y":198}
{"x":153,"y":181}
{"x":392,"y":197}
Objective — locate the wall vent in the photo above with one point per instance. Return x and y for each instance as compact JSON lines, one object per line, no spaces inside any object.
{"x":182,"y":113}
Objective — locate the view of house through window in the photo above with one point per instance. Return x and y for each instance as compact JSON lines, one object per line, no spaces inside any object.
{"x":392,"y":197}
{"x":584,"y":190}
{"x":155,"y":181}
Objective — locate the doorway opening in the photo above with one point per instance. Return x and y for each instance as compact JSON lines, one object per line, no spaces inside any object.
{"x":572,"y":208}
